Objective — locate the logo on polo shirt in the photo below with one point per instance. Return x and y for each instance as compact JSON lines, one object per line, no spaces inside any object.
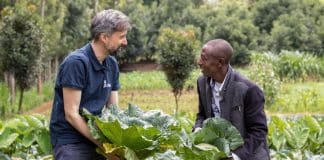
{"x":106,"y":84}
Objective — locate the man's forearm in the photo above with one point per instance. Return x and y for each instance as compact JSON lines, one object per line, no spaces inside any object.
{"x":80,"y":124}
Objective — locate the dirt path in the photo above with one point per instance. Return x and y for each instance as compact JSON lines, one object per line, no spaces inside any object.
{"x":44,"y":108}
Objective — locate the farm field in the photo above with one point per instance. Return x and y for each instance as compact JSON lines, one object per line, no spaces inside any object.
{"x":278,"y":45}
{"x":150,"y":91}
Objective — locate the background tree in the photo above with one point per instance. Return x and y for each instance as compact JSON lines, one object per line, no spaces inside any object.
{"x":75,"y":31}
{"x":177,"y":56}
{"x":136,"y":38}
{"x":295,"y":32}
{"x":265,"y":12}
{"x":20,"y":42}
{"x":232,"y":22}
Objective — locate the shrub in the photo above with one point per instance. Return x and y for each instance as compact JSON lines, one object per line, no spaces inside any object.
{"x":262,"y":73}
{"x":177,"y":49}
{"x":298,"y":66}
{"x":232,"y":22}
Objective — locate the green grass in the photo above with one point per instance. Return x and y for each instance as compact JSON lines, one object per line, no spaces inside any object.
{"x":307,"y":97}
{"x":150,"y":90}
{"x":31,"y":99}
{"x":154,"y":80}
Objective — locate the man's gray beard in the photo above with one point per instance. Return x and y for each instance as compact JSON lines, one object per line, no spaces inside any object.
{"x":119,"y":50}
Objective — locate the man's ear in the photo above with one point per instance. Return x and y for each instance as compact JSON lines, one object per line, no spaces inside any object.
{"x":103,"y":36}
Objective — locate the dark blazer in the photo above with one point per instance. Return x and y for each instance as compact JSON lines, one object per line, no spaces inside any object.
{"x":243,"y":105}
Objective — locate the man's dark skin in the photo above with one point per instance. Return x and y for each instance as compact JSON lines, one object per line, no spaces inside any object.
{"x":236,"y":91}
{"x":213,"y":62}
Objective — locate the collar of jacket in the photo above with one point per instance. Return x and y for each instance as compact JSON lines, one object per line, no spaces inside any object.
{"x":226,"y":80}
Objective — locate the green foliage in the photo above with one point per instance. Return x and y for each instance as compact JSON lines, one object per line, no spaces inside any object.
{"x":134,"y":134}
{"x":231,"y":21}
{"x":262,"y":73}
{"x":296,"y":138}
{"x":143,"y":81}
{"x":298,"y":66}
{"x":292,"y":25}
{"x":32,"y":99}
{"x":75,"y":31}
{"x":4,"y":100}
{"x":220,"y":133}
{"x":177,"y":57}
{"x":299,"y":100}
{"x":25,"y":137}
{"x":268,"y":11}
{"x":52,"y":24}
{"x":132,"y":129}
{"x":295,"y":32}
{"x":136,"y":38}
{"x":20,"y":42}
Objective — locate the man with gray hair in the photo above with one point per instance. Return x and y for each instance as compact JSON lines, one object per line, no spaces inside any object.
{"x":88,"y":78}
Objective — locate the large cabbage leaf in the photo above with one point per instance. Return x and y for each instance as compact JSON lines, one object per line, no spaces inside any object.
{"x":220,"y":133}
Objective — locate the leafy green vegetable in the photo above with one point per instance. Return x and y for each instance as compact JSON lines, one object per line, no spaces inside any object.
{"x":136,"y":134}
{"x":220,"y":133}
{"x":131,"y":130}
{"x":7,"y":137}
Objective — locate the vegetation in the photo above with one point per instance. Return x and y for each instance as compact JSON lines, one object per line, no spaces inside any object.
{"x":20,"y":42}
{"x":177,"y":57}
{"x":25,"y":137}
{"x":297,"y":138}
{"x":32,"y":99}
{"x":155,"y":135}
{"x":134,"y":134}
{"x":278,"y":44}
{"x":248,"y":25}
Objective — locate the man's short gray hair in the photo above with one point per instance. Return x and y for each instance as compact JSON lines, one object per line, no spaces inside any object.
{"x":109,"y":21}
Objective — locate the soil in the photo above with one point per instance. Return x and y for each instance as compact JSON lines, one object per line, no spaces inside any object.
{"x":41,"y":109}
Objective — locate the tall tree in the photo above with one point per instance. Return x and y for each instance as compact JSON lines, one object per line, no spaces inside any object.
{"x":75,"y":31}
{"x":232,"y":21}
{"x":20,"y":41}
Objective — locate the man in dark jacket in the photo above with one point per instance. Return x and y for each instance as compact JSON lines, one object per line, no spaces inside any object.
{"x":224,"y":93}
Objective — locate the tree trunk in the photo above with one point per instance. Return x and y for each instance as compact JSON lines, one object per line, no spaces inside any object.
{"x":42,"y":10}
{"x":6,"y":78}
{"x":11,"y":85}
{"x":56,"y":63}
{"x":21,"y":100}
{"x":49,"y":70}
{"x":39,"y":74}
{"x":177,"y":95}
{"x":177,"y":105}
{"x":39,"y":82}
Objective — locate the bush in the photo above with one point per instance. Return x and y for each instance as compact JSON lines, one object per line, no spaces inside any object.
{"x":298,"y":66}
{"x":232,"y":22}
{"x":177,"y":49}
{"x":295,"y":32}
{"x":262,"y":73}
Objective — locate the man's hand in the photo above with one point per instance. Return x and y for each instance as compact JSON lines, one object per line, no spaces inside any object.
{"x":112,"y":157}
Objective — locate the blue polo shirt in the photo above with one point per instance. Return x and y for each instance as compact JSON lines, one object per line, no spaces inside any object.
{"x":82,"y":70}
